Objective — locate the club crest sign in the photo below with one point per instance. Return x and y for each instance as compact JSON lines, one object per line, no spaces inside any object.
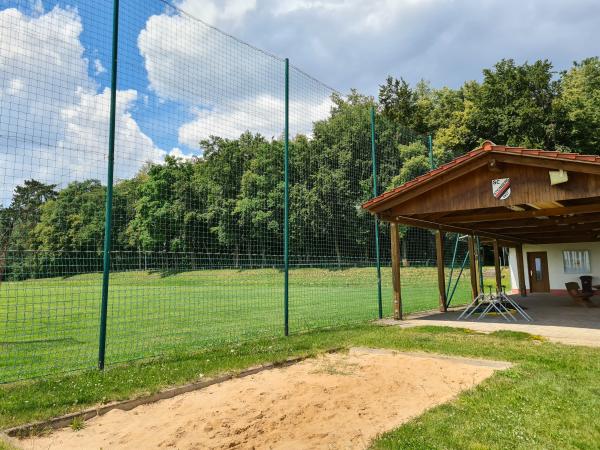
{"x":501,"y":188}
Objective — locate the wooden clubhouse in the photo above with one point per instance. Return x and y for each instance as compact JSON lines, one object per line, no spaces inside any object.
{"x":509,"y":197}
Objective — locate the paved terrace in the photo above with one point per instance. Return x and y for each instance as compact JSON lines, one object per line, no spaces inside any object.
{"x":556,"y":318}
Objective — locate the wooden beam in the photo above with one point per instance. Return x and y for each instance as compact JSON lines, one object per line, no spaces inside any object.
{"x":507,"y":244}
{"x":439,"y":251}
{"x":521,"y":271}
{"x":497,"y":269}
{"x":434,"y":217}
{"x":566,"y":240}
{"x":536,"y":222}
{"x":549,"y":163}
{"x":566,"y":233}
{"x":450,"y":228}
{"x":508,"y":215}
{"x":395,"y":241}
{"x":556,"y":229}
{"x":473,"y":267}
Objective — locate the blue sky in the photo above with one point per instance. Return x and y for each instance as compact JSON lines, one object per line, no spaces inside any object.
{"x":181,"y":81}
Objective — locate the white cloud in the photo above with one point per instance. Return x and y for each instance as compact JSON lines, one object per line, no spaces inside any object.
{"x":231,"y":11}
{"x":53,"y":117}
{"x":98,"y":67}
{"x":357,"y":43}
{"x":227,"y":86}
{"x":177,"y":153}
{"x":191,"y":63}
{"x":15,"y":87}
{"x":262,"y":114}
{"x":86,"y":128}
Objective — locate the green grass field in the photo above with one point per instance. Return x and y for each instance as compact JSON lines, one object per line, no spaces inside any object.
{"x":549,"y":399}
{"x":51,"y":325}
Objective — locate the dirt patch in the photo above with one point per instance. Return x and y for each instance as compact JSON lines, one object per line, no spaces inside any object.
{"x":333,"y":401}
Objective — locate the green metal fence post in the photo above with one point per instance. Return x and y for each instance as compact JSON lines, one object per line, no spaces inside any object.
{"x":374,"y":166}
{"x":480,"y":260}
{"x":286,"y":200}
{"x":109,"y":187}
{"x":430,"y":148}
{"x":462,"y":268}
{"x":452,"y":267}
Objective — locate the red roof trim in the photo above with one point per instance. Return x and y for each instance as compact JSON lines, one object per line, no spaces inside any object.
{"x":487,"y":147}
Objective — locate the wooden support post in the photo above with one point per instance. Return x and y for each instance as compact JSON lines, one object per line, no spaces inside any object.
{"x":439,"y":247}
{"x":521,"y":271}
{"x":473,"y":267}
{"x":497,"y":269}
{"x":395,"y":241}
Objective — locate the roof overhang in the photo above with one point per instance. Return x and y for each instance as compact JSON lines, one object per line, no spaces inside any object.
{"x":465,"y":196}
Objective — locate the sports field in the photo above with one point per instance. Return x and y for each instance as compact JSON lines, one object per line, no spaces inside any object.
{"x":51,"y":325}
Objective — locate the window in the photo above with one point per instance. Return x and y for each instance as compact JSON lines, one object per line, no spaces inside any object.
{"x":539,"y":275}
{"x":577,"y":261}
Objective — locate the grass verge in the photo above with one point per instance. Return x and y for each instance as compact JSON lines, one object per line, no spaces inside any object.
{"x":549,"y":399}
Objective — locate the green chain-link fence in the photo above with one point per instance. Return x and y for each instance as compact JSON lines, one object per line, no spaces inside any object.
{"x":198,"y":198}
{"x":401,"y":156}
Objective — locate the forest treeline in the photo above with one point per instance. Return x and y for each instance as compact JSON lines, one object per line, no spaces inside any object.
{"x":225,"y":208}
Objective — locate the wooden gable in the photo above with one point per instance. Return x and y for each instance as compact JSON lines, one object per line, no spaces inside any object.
{"x":458,"y":196}
{"x":473,"y":189}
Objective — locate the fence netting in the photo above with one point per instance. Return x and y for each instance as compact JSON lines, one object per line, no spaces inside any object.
{"x":197,"y":232}
{"x":403,"y":155}
{"x":53,"y":150}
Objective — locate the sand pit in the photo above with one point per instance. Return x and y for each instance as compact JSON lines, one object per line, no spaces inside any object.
{"x":334,"y":401}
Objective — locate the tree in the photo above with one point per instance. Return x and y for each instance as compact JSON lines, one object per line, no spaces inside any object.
{"x":513,"y":106}
{"x":259,"y":205}
{"x":163,"y":198}
{"x":226,"y":162}
{"x":17,"y":223}
{"x":341,"y":183}
{"x":398,"y":100}
{"x":70,"y":231}
{"x":578,"y":107}
{"x":415,"y":162}
{"x":454,"y":120}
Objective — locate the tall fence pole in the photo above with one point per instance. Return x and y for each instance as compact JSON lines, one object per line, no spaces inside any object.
{"x":430,"y":148}
{"x":480,"y":264}
{"x":374,"y":165}
{"x":286,"y":202}
{"x":109,"y":187}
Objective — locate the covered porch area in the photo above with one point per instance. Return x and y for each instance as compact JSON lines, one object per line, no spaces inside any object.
{"x":556,"y":318}
{"x":542,"y":205}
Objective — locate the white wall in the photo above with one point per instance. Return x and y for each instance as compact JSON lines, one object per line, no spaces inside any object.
{"x":558,"y":277}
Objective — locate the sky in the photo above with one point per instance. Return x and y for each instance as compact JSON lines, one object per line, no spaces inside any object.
{"x":356,"y":43}
{"x":181,"y":81}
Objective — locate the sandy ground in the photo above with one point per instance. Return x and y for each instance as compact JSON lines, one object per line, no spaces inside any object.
{"x":334,"y":401}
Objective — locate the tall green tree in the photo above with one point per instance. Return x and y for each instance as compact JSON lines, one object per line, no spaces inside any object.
{"x":17,"y":223}
{"x":415,"y":162}
{"x":259,"y":206}
{"x":69,"y":235}
{"x":514,"y":104}
{"x":578,"y":107}
{"x":398,"y":100}
{"x":342,"y":181}
{"x":160,"y":206}
{"x":226,"y":162}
